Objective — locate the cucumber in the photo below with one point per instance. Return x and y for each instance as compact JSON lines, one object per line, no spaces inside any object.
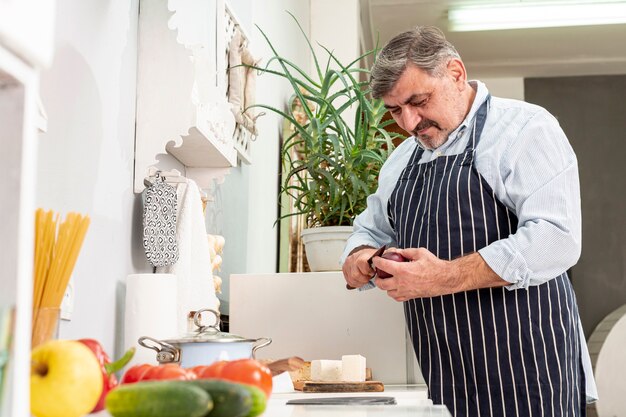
{"x":259,"y":400}
{"x":158,"y":399}
{"x":229,"y":399}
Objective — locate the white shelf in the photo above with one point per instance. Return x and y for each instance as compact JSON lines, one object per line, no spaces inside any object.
{"x":182,"y":108}
{"x":202,"y":148}
{"x":199,"y":152}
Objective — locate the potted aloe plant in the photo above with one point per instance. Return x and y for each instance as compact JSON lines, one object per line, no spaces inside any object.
{"x":333,"y":150}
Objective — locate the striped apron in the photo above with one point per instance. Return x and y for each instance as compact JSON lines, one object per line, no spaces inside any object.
{"x":487,"y":352}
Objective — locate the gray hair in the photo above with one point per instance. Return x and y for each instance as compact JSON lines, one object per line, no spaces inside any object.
{"x":424,"y":46}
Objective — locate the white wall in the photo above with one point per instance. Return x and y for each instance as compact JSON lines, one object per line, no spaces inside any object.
{"x":338,"y":31}
{"x":508,"y":87}
{"x":249,"y":194}
{"x":86,"y":158}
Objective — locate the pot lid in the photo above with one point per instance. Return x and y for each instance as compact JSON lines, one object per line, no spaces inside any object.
{"x":210,"y":334}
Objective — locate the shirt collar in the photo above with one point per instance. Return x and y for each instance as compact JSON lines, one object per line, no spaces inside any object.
{"x":481,"y":95}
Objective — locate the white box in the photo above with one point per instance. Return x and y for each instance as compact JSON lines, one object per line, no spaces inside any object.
{"x":313,"y":315}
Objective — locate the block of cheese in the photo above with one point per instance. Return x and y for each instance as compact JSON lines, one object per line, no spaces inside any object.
{"x":353,"y":368}
{"x":326,"y":370}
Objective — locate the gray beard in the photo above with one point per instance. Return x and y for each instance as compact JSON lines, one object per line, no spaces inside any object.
{"x":427,"y":146}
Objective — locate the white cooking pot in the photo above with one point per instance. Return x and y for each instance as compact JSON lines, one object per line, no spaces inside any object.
{"x":204,"y":346}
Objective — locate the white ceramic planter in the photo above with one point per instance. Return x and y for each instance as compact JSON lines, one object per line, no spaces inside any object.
{"x":324,"y":246}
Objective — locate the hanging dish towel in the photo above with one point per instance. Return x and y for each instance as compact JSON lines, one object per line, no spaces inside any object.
{"x":193,"y":269}
{"x":159,"y":223}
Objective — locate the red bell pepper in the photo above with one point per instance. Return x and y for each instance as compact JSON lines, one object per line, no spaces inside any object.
{"x":108,"y":368}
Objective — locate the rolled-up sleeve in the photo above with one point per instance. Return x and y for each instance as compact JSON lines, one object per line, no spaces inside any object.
{"x":539,"y":174}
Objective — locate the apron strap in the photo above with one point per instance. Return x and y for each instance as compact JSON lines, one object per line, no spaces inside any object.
{"x":479,"y":124}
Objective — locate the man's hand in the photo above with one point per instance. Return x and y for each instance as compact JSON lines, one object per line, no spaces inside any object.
{"x":425,"y":275}
{"x":356,"y":271}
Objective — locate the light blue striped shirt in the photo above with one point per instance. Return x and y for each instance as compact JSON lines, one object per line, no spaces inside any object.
{"x":526,"y":158}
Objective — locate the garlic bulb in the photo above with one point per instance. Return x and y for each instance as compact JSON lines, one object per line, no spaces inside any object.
{"x":217,"y":282}
{"x":217,"y":262}
{"x":212,"y":253}
{"x":219,"y":244}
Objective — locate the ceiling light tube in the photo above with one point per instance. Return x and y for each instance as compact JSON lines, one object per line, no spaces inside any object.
{"x":534,"y":15}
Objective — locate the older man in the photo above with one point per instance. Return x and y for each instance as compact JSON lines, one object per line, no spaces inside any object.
{"x":484,"y":202}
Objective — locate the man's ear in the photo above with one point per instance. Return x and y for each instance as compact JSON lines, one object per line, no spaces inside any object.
{"x":457,"y":71}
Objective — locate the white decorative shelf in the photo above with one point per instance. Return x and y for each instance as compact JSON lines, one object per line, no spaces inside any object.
{"x":182,"y":107}
{"x":198,"y":151}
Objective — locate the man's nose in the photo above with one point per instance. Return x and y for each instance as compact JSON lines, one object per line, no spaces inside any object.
{"x":410,"y":119}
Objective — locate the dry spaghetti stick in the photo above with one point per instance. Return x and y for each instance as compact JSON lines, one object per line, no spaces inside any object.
{"x":63,"y":256}
{"x":51,"y":270}
{"x":39,"y":247}
{"x":58,"y":256}
{"x":45,"y":242}
{"x":63,"y":275}
{"x":46,"y":234}
{"x":79,"y":230}
{"x":52,"y":234}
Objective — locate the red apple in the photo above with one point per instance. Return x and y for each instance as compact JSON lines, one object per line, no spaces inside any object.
{"x":392,"y":256}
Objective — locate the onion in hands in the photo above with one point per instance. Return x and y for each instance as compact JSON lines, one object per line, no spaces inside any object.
{"x":392,"y":256}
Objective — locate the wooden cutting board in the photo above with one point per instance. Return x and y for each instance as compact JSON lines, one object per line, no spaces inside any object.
{"x":303,"y":375}
{"x":367,"y":386}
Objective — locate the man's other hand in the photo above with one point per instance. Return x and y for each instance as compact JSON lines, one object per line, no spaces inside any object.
{"x":356,"y":270}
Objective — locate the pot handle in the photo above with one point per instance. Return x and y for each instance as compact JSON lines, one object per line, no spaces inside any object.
{"x":166,"y":353}
{"x":200,"y":326}
{"x":264,"y":341}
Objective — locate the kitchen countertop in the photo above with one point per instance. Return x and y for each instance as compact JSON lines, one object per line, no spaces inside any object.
{"x":411,"y":401}
{"x":404,"y":394}
{"x":358,"y":411}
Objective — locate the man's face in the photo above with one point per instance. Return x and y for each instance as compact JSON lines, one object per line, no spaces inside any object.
{"x":428,"y":107}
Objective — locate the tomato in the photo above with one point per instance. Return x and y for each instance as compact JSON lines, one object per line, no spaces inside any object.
{"x":245,"y":371}
{"x":248,"y":371}
{"x":135,"y":373}
{"x":198,"y":371}
{"x":209,"y":371}
{"x":168,"y":371}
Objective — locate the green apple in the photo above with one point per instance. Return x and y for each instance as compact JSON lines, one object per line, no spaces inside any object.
{"x":65,"y":379}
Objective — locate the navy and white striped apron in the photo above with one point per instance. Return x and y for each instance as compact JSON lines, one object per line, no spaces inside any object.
{"x":488,"y":352}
